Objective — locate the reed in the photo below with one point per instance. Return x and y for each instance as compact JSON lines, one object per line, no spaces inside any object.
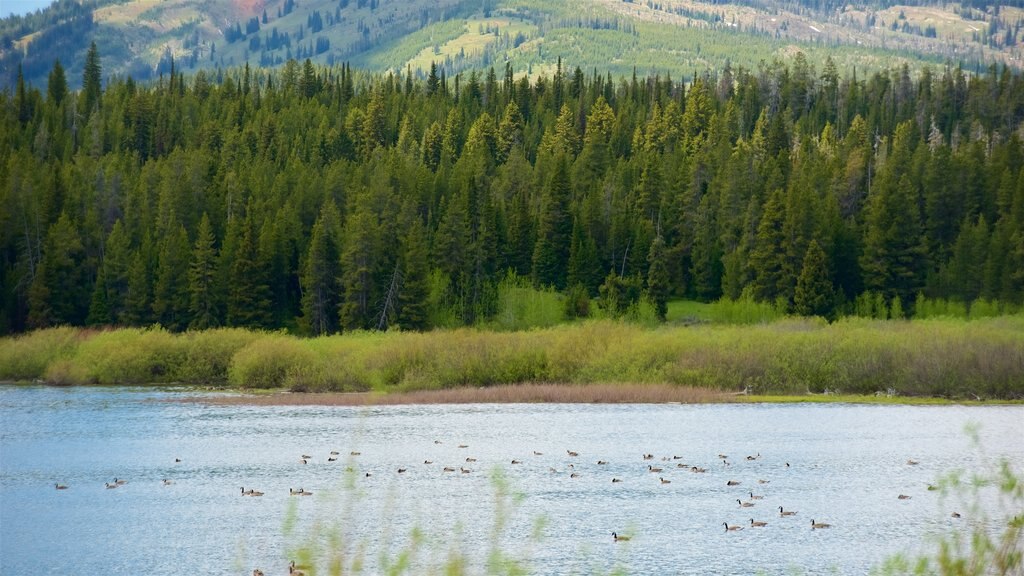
{"x":942,"y":357}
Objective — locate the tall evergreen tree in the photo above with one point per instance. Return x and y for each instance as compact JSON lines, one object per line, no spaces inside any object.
{"x":893,"y":256}
{"x":137,"y":309}
{"x":92,"y":78}
{"x":554,"y":230}
{"x":57,"y":84}
{"x":248,"y":293}
{"x":412,"y":297}
{"x":202,"y":279}
{"x":814,"y":294}
{"x":768,"y":256}
{"x":320,"y":294}
{"x":358,"y":271}
{"x":117,"y":260}
{"x":170,"y":291}
{"x":584,"y":263}
{"x":657,"y":277}
{"x":62,"y":296}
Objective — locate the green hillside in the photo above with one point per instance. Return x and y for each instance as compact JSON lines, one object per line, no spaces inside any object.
{"x":667,"y":37}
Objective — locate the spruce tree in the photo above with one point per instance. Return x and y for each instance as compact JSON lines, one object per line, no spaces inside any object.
{"x":768,"y":256}
{"x":320,"y":296}
{"x":554,"y":230}
{"x":57,"y":84}
{"x":248,"y":293}
{"x":99,"y":312}
{"x":893,"y":257}
{"x":584,"y":264}
{"x":358,"y":271}
{"x":202,"y":279}
{"x":63,"y":296}
{"x":170,"y":291}
{"x":657,"y":277}
{"x":706,"y":252}
{"x":92,"y":77}
{"x":814,"y":294}
{"x":137,"y":300}
{"x":412,"y":297}
{"x":510,"y":131}
{"x":117,"y":259}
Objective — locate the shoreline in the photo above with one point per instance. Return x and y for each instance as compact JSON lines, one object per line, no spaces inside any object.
{"x":565,"y":394}
{"x":524,"y":393}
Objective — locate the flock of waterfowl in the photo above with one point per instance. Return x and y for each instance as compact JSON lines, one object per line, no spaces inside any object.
{"x":574,"y":472}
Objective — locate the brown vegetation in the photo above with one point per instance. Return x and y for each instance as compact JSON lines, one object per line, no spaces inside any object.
{"x":505,"y":394}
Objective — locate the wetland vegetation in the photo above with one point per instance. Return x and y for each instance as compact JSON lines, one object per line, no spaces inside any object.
{"x":980,"y":359}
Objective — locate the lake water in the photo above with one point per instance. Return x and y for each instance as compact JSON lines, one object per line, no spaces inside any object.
{"x":847,"y":465}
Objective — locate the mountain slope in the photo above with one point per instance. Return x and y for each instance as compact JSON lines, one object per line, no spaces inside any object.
{"x":140,"y":37}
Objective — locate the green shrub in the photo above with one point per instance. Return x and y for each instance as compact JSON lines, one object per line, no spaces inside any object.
{"x":521,"y":306}
{"x":271,"y":362}
{"x":124,"y":356}
{"x":208,"y":354}
{"x":27,"y":357}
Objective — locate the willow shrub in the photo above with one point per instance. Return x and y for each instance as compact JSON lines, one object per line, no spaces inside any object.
{"x":272,"y":362}
{"x":124,"y":356}
{"x":941,"y":357}
{"x":28,"y":356}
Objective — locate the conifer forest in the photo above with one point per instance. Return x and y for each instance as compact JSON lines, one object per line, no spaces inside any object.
{"x":325,"y":199}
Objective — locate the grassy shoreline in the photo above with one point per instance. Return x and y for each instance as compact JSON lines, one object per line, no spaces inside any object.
{"x":546,"y":393}
{"x":800,"y":359}
{"x":567,"y":394}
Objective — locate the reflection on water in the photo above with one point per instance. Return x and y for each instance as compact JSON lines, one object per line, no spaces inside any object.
{"x":847,"y":464}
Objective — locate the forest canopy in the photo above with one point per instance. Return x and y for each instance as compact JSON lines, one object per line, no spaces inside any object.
{"x":322,"y":199}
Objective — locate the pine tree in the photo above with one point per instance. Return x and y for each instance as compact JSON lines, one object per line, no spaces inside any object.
{"x":433,"y":83}
{"x":92,"y":77}
{"x":510,"y":132}
{"x":358,"y":270}
{"x":584,"y":264}
{"x":515,"y":177}
{"x":554,"y":230}
{"x":248,"y":294}
{"x":768,"y":256}
{"x":657,"y":277}
{"x":137,"y":300}
{"x":706,"y":253}
{"x":893,"y":258}
{"x":374,"y":128}
{"x":170,"y":291}
{"x":202,"y":279}
{"x":117,"y":259}
{"x":649,"y":190}
{"x":412,"y":298}
{"x":21,"y":99}
{"x":814,"y":294}
{"x":57,"y":84}
{"x":63,"y":294}
{"x":99,"y":312}
{"x":320,"y":295}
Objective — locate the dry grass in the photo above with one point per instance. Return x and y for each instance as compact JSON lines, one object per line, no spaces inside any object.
{"x":506,"y":394}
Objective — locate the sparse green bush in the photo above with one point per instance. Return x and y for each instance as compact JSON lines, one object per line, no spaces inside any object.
{"x":209,"y":353}
{"x":27,"y":357}
{"x":521,"y":306}
{"x":124,"y":356}
{"x":271,"y":362}
{"x":746,"y":310}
